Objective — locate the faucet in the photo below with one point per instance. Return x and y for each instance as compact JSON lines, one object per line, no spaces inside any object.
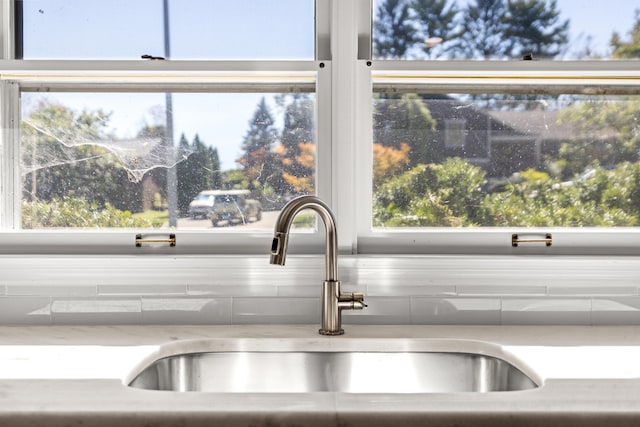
{"x":333,"y":300}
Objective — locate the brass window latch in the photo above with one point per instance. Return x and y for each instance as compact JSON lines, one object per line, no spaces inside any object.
{"x":140,"y":240}
{"x":515,"y":240}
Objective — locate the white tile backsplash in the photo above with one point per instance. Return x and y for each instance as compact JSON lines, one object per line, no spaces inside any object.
{"x":381,"y":311}
{"x":186,"y":310}
{"x":52,"y":290}
{"x":96,"y":311}
{"x":263,"y":290}
{"x":245,"y":290}
{"x":616,"y":311}
{"x":25,"y":310}
{"x":152,"y":289}
{"x":272,"y":310}
{"x":546,"y":311}
{"x":454,"y":311}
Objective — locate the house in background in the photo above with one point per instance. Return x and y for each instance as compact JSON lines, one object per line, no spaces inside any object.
{"x":500,"y":141}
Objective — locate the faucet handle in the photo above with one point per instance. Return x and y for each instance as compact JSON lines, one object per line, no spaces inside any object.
{"x":353,"y":300}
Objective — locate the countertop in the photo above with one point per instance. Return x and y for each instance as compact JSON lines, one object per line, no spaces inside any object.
{"x":75,"y":375}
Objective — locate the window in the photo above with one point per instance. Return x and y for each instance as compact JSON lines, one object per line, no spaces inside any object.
{"x":108,"y":149}
{"x":416,"y":144}
{"x":498,"y":30}
{"x":537,"y":137}
{"x":454,"y":133}
{"x":206,"y":29}
{"x":109,"y":154}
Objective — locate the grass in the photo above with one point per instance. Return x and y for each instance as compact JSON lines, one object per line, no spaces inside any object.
{"x":305,"y":220}
{"x":157,"y":218}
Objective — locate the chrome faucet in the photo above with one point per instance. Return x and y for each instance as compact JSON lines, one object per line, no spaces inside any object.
{"x":333,"y":300}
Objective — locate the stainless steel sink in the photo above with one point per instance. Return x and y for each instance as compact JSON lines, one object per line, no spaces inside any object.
{"x":332,"y":371}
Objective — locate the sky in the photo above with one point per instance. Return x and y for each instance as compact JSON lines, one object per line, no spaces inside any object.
{"x":219,"y":29}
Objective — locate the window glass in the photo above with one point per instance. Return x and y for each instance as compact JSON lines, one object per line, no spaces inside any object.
{"x":197,"y":29}
{"x":501,"y":29}
{"x":525,"y":161}
{"x":104,"y":160}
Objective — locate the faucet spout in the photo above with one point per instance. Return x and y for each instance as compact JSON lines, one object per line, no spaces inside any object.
{"x":283,"y":225}
{"x":333,"y":300}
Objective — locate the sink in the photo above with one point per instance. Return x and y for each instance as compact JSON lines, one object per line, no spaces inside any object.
{"x":332,"y":371}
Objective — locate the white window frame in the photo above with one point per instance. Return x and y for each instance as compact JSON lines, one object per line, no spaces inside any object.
{"x":580,"y":77}
{"x":345,"y":77}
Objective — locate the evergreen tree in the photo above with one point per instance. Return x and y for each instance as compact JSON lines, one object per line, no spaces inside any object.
{"x":394,"y":32}
{"x":258,"y":158}
{"x":216,"y":172}
{"x":631,"y":48}
{"x":406,"y":119}
{"x":197,"y":172}
{"x":297,"y":150}
{"x":436,"y":25}
{"x":534,"y":27}
{"x":483,"y":30}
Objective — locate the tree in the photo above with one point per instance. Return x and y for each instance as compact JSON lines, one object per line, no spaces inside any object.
{"x":436,"y":25}
{"x":198,"y":172}
{"x":296,"y":151}
{"x":608,"y":198}
{"x":447,"y":194}
{"x":388,"y":162}
{"x":66,"y":154}
{"x":630,"y":48}
{"x":405,"y":119}
{"x":620,"y":119}
{"x":394,"y":32}
{"x":483,"y":30}
{"x":258,"y":158}
{"x":216,"y":168}
{"x":534,"y":27}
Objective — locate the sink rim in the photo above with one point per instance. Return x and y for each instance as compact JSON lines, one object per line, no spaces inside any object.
{"x":333,"y":345}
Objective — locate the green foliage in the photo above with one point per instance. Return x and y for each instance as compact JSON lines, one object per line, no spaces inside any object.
{"x":534,"y":27}
{"x":447,"y":194}
{"x":601,"y":116}
{"x":436,"y":23}
{"x":450,"y":195}
{"x":394,"y":32}
{"x":258,"y":159}
{"x":483,"y":28}
{"x":480,"y":29}
{"x":78,"y":212}
{"x":198,"y":172}
{"x":607,"y":198}
{"x":62,"y":154}
{"x":630,"y":48}
{"x":405,"y":118}
{"x":296,"y":153}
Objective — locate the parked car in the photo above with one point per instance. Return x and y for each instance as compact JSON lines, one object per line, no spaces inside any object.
{"x":232,"y":206}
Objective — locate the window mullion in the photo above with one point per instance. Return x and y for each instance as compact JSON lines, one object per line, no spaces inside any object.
{"x":10,"y":175}
{"x":346,"y":105}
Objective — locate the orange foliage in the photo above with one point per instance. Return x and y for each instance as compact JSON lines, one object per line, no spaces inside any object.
{"x":307,"y":157}
{"x":388,"y":161}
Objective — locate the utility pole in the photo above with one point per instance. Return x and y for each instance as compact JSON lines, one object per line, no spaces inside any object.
{"x":172,"y":178}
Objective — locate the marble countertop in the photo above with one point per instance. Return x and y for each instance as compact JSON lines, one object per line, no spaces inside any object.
{"x":76,"y":375}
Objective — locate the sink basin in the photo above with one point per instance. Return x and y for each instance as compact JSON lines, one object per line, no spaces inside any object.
{"x":332,"y":371}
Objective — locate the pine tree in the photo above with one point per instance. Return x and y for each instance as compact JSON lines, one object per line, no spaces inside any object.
{"x":483,"y":30}
{"x":394,"y":32}
{"x":216,"y":172}
{"x":631,"y":48}
{"x":258,"y":158}
{"x":534,"y":28}
{"x":436,"y":25}
{"x":297,"y":150}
